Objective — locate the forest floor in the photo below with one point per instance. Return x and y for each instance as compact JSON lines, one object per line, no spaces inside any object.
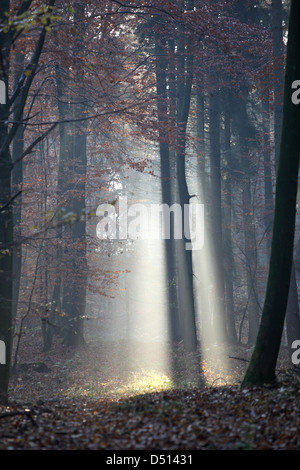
{"x":96,"y":398}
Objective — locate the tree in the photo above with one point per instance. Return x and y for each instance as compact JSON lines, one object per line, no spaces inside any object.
{"x":262,"y":366}
{"x":227,"y":235}
{"x":166,"y":179}
{"x":174,"y":79}
{"x":185,"y":275}
{"x":292,"y":313}
{"x":75,"y":251}
{"x":216,"y":217}
{"x":8,"y":35}
{"x":277,"y":39}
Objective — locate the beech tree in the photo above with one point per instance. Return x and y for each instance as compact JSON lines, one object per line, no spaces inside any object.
{"x":261,"y":369}
{"x":8,"y":131}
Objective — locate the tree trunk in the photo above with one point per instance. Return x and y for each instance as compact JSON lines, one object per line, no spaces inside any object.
{"x":7,"y":136}
{"x":245,"y":131}
{"x":75,"y":288}
{"x":262,"y":366}
{"x":6,"y":217}
{"x":166,"y":182}
{"x":268,"y":187}
{"x":251,"y":261}
{"x":185,"y":262}
{"x":219,"y":322}
{"x":292,"y":314}
{"x":17,"y":180}
{"x":277,"y":37}
{"x":227,"y":227}
{"x":201,"y":164}
{"x":63,"y":252}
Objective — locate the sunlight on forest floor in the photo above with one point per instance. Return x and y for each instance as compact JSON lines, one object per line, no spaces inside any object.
{"x":109,"y":370}
{"x":137,"y":383}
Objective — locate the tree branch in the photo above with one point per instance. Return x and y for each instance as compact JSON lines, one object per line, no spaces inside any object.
{"x":31,"y":146}
{"x":32,"y":67}
{"x":10,"y":201}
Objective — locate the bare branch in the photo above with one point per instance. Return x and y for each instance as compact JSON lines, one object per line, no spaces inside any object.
{"x":31,"y":146}
{"x":86,"y":118}
{"x":10,"y":201}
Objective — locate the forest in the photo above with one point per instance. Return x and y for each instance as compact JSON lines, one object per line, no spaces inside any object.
{"x":149,"y":228}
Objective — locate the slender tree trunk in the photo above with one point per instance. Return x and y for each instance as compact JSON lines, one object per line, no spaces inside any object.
{"x":277,"y":35}
{"x":229,"y":264}
{"x":200,"y":104}
{"x":262,"y":366}
{"x":250,"y":248}
{"x":75,"y":289}
{"x":203,"y":185}
{"x":185,"y":271}
{"x":251,"y":261}
{"x":166,"y":182}
{"x":268,"y":187}
{"x":6,"y":217}
{"x":227,"y":239}
{"x":63,"y":252}
{"x":17,"y":180}
{"x":78,"y":284}
{"x":219,"y":320}
{"x":185,"y":262}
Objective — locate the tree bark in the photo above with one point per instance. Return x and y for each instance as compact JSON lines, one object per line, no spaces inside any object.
{"x":227,"y":227}
{"x":166,"y":182}
{"x":219,"y":322}
{"x":268,"y":186}
{"x":6,"y":216}
{"x":251,"y":262}
{"x":7,"y":136}
{"x":262,"y":366}
{"x":185,"y":261}
{"x":75,"y":288}
{"x":17,"y":180}
{"x":277,"y":38}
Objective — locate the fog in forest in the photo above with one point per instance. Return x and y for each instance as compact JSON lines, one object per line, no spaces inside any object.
{"x":139,"y":160}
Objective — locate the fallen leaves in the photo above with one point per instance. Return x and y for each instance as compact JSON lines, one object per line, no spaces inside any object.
{"x":173,"y":420}
{"x":82,"y":412}
{"x":218,"y":418}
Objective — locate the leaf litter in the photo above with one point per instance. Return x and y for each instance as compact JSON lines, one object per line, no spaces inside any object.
{"x":85,"y":400}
